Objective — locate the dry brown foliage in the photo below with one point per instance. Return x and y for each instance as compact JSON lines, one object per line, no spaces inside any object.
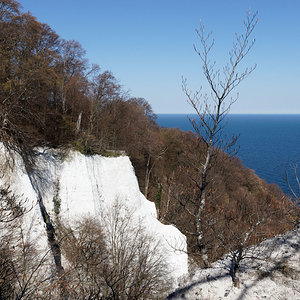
{"x":114,"y":259}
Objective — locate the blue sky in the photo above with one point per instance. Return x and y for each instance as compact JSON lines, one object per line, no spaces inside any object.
{"x":148,"y":45}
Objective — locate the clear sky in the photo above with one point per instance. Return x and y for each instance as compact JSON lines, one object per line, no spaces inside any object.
{"x":148,"y":45}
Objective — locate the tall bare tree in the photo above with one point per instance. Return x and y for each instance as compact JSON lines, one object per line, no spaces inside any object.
{"x":212,"y":110}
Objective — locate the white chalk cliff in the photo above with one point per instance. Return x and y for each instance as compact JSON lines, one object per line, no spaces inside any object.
{"x":88,"y":185}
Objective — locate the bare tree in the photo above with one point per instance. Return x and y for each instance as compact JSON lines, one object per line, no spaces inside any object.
{"x":138,"y":269}
{"x":242,"y":239}
{"x":24,"y":270}
{"x":114,"y":259}
{"x":11,"y":208}
{"x":152,"y":160}
{"x":212,"y":111}
{"x":85,"y":250}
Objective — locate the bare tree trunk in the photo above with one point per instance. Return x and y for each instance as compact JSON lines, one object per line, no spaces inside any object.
{"x":63,"y":96}
{"x":166,"y":210}
{"x":78,"y":123}
{"x":202,"y":206}
{"x":208,"y":125}
{"x":150,"y":168}
{"x":147,"y":176}
{"x":235,"y":267}
{"x":238,"y":256}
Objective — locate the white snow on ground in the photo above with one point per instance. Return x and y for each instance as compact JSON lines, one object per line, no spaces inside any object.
{"x":275,"y":276}
{"x":88,"y":185}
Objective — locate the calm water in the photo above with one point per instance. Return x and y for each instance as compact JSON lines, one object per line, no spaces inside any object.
{"x":268,"y":144}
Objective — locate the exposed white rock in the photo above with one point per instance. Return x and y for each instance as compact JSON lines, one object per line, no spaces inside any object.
{"x":274,"y":276}
{"x":89,"y":185}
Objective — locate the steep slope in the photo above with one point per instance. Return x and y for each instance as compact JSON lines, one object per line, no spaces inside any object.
{"x":89,"y":185}
{"x":274,"y":275}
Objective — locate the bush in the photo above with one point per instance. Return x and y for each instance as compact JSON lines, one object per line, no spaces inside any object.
{"x":114,"y":259}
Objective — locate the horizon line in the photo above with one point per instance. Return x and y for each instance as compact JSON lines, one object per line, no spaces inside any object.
{"x":192,"y":113}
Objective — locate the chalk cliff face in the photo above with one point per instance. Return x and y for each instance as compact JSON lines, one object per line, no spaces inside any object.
{"x":89,"y":185}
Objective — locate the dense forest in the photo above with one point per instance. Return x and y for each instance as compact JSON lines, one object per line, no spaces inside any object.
{"x":51,"y":96}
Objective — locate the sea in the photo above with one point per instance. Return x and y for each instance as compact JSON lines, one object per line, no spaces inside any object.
{"x":267,"y":144}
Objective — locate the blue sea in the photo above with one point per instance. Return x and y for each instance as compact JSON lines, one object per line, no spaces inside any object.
{"x":268,"y":144}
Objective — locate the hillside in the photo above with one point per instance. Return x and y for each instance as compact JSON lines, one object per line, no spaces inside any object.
{"x":273,"y":275}
{"x":81,"y":157}
{"x":75,"y":187}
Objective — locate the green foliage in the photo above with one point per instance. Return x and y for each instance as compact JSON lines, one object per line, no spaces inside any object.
{"x":158,"y":196}
{"x":112,"y":153}
{"x":56,"y":199}
{"x":79,"y":146}
{"x":82,"y":145}
{"x":57,"y":204}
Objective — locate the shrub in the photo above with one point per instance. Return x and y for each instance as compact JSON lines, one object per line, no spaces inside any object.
{"x":114,"y":259}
